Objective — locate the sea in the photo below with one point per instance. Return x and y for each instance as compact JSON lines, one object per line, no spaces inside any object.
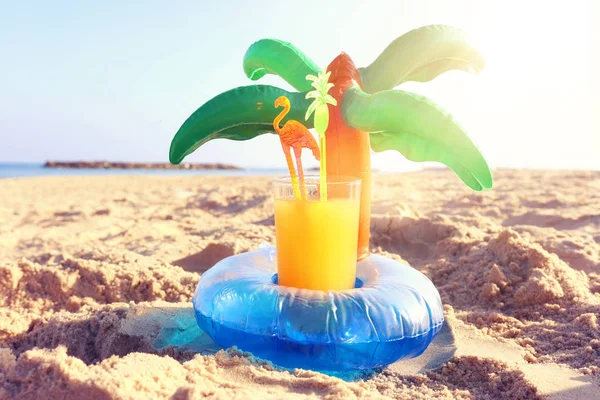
{"x":16,"y":170}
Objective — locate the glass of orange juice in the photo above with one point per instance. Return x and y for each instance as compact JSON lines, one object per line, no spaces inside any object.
{"x":317,"y":240}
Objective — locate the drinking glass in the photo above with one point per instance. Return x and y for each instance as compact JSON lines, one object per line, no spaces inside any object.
{"x":317,"y":240}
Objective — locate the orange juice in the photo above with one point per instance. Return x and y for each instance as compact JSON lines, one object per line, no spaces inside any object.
{"x":317,"y":243}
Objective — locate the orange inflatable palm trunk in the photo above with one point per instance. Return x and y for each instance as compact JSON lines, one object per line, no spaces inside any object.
{"x":348,"y":149}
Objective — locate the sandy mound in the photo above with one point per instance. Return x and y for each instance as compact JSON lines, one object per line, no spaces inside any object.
{"x":96,"y":275}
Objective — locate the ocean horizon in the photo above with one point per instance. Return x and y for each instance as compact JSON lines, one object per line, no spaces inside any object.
{"x":17,"y":170}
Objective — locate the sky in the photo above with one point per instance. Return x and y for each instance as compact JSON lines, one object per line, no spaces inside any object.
{"x":114,"y":80}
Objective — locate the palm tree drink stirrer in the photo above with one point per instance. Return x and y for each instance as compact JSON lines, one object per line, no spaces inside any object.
{"x":319,"y":107}
{"x":356,"y":110}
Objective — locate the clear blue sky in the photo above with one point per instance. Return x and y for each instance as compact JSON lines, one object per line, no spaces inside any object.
{"x":115,"y":79}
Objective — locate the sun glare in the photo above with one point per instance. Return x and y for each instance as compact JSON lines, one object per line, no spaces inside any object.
{"x":535,"y":90}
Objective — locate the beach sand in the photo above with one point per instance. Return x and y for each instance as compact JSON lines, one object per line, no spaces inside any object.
{"x":97,"y":273}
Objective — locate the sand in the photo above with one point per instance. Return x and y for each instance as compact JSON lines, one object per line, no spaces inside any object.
{"x":96,"y":275}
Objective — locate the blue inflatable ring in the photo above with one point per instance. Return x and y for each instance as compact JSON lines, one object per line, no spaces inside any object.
{"x":394,"y":313}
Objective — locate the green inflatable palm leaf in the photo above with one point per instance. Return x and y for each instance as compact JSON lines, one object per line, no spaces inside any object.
{"x":417,"y":149}
{"x":272,"y":56}
{"x":421,"y":55}
{"x":419,"y":129}
{"x":238,"y":114}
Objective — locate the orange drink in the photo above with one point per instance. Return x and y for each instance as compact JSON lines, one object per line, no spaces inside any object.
{"x":317,"y":240}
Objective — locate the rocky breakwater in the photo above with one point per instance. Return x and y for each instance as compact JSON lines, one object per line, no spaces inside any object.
{"x":135,"y":165}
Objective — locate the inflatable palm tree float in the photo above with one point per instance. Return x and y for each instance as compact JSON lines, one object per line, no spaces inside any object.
{"x":365,"y":115}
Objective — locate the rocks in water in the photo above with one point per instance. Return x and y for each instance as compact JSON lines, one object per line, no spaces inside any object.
{"x":134,"y":165}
